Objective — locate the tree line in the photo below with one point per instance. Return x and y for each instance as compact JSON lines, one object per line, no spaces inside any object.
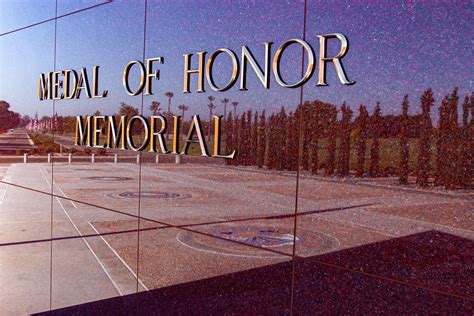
{"x":296,"y":139}
{"x":321,"y":138}
{"x":8,"y":119}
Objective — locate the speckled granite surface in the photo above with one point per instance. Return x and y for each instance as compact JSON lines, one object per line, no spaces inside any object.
{"x":423,"y":278}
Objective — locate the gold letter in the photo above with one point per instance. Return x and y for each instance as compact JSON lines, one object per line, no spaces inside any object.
{"x":263,"y":77}
{"x":156,"y":75}
{"x":276,"y":63}
{"x":176,"y":120}
{"x":126,"y":73}
{"x":217,"y":139}
{"x":83,"y":83}
{"x":154,"y":133}
{"x":44,"y":86}
{"x":56,"y":85}
{"x":195,"y":125}
{"x":235,"y":69}
{"x":67,"y":84}
{"x":97,"y":131}
{"x":336,"y":60}
{"x":114,"y":136}
{"x":83,"y":133}
{"x":199,"y":71}
{"x":131,"y":144}
{"x":95,"y":84}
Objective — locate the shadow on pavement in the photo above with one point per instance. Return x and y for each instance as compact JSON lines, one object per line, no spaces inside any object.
{"x":374,"y":279}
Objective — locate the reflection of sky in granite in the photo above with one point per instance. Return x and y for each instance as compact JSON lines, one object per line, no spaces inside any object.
{"x":394,"y":49}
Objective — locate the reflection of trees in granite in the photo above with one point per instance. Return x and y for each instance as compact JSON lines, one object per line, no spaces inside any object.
{"x":211,"y":106}
{"x":424,"y":155}
{"x":155,"y":108}
{"x":169,"y":95}
{"x":313,"y":138}
{"x":183,"y":108}
{"x":8,"y":118}
{"x":322,"y":135}
{"x":403,"y":143}
{"x":362,"y":136}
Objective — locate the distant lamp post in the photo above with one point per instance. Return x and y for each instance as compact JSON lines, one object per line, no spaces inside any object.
{"x":225,"y":101}
{"x":183,"y":109}
{"x":235,"y":104}
{"x":211,"y":107}
{"x":169,"y":95}
{"x":155,"y":108}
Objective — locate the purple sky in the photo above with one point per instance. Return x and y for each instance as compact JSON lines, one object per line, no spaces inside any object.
{"x":395,"y":48}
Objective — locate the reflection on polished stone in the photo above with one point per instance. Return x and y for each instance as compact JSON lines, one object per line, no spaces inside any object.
{"x":321,"y":287}
{"x":347,"y":199}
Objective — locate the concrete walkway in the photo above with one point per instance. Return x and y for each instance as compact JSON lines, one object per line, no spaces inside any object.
{"x":332,"y":216}
{"x":78,"y":270}
{"x":14,"y":140}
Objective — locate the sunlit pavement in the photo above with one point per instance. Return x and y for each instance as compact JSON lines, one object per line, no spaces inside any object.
{"x":14,"y":140}
{"x":199,"y":222}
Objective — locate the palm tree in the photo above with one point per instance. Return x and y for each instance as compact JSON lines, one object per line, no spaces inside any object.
{"x":211,"y":107}
{"x":169,"y":95}
{"x":211,"y":98}
{"x":234,"y":104}
{"x":183,"y":109}
{"x":225,"y":101}
{"x":155,"y":107}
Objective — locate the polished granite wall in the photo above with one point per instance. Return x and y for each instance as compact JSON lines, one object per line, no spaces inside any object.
{"x":209,"y":236}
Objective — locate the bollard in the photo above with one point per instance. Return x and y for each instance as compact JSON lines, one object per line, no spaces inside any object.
{"x":25,"y":158}
{"x":157,"y":158}
{"x":138,"y":158}
{"x":115,"y":158}
{"x":60,"y":149}
{"x":69,"y":159}
{"x":93,"y":158}
{"x":49,"y":158}
{"x":177,"y":159}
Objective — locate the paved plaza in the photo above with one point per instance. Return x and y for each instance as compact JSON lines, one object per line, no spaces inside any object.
{"x":204,"y":221}
{"x":14,"y":140}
